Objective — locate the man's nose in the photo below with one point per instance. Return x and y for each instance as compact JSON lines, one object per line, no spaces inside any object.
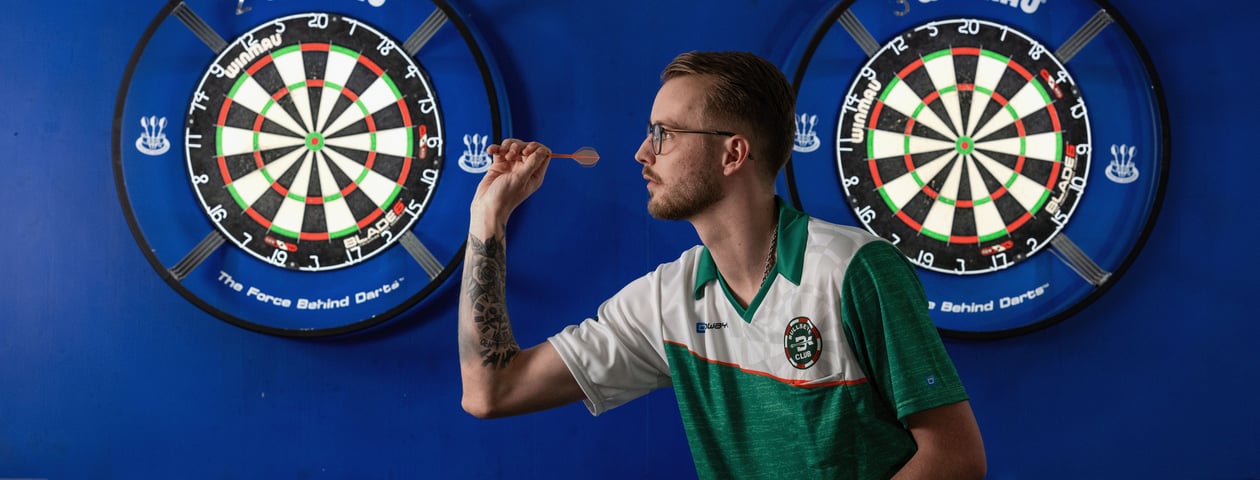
{"x":644,"y":154}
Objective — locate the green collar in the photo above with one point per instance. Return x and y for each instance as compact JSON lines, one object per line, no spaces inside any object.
{"x":793,"y":232}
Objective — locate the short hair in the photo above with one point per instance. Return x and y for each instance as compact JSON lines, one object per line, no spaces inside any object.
{"x":749,"y":90}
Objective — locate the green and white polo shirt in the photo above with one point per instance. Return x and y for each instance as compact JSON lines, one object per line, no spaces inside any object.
{"x":812,"y":380}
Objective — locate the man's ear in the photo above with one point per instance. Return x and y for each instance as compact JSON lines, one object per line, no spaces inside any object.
{"x":737,"y":155}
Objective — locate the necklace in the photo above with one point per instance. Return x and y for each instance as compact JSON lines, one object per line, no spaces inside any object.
{"x":774,"y":246}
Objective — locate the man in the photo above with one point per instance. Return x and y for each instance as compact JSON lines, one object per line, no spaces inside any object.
{"x":796,"y":348}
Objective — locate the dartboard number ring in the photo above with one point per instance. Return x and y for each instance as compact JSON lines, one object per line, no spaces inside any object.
{"x":966,"y":143}
{"x":314,"y":142}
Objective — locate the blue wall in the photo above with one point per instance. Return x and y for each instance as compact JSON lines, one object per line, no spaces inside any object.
{"x":106,"y":372}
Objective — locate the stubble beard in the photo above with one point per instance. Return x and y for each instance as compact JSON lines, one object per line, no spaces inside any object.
{"x":693,"y":193}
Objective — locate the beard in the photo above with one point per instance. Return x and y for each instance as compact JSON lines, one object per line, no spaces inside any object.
{"x":694,"y":192}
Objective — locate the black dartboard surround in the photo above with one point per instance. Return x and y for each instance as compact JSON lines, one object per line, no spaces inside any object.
{"x":1016,"y":152}
{"x":305,"y":172}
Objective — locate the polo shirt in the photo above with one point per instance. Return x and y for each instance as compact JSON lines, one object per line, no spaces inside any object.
{"x":814,"y":378}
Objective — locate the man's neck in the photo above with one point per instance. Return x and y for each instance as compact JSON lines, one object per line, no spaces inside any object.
{"x":740,"y":237}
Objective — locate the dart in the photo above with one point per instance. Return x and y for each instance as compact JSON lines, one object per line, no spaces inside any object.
{"x":587,"y":156}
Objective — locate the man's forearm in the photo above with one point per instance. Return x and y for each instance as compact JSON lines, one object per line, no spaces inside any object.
{"x":485,"y":335}
{"x":949,"y":444}
{"x":499,"y":377}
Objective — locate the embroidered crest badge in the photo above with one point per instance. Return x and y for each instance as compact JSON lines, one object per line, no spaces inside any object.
{"x":802,"y":343}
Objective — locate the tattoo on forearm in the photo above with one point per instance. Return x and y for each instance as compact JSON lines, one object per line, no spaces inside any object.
{"x":485,"y":290}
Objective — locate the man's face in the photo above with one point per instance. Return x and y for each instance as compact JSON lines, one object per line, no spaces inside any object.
{"x":683,"y":180}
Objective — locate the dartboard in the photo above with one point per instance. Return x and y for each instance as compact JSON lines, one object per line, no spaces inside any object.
{"x":305,"y":170}
{"x":1014,"y":151}
{"x":307,"y":153}
{"x":970,"y":154}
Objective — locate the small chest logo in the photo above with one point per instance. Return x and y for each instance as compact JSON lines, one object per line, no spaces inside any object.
{"x":802,"y":343}
{"x":701,"y":327}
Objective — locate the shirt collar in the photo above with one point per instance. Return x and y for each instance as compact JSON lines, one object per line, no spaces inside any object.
{"x":790,"y":255}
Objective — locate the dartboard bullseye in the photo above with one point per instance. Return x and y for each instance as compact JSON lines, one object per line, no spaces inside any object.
{"x":306,"y":152}
{"x":285,"y":168}
{"x":965,"y":143}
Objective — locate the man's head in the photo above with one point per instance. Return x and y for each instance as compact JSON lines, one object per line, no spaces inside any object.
{"x":748,"y":93}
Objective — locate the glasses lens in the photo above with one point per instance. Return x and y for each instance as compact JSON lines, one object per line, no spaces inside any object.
{"x":654,"y":131}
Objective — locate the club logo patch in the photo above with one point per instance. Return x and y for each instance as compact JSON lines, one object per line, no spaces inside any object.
{"x":802,"y":343}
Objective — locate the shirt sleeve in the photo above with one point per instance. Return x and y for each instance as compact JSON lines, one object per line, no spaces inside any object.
{"x":618,"y":355}
{"x":885,"y":315}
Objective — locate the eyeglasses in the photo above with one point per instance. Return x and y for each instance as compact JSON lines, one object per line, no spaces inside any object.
{"x":657,"y":133}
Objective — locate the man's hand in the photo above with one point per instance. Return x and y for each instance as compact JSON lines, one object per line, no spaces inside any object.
{"x":516,"y":173}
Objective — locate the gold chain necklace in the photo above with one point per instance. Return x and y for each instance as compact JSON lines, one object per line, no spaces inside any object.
{"x":774,"y":246}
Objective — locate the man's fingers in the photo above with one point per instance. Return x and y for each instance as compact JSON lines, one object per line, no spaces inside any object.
{"x":536,"y":155}
{"x":511,"y":152}
{"x":533,"y":147}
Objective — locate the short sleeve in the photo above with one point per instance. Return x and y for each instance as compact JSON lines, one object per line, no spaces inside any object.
{"x":884,"y":311}
{"x":618,"y":355}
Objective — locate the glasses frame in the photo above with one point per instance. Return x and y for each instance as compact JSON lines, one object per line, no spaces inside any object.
{"x":656,"y":132}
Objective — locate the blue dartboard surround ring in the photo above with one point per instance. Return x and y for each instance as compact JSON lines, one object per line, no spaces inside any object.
{"x":239,"y":278}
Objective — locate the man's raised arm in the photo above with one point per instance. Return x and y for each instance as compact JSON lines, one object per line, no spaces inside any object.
{"x":499,"y":378}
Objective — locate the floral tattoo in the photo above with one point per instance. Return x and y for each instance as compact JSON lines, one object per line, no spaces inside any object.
{"x":485,"y":290}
